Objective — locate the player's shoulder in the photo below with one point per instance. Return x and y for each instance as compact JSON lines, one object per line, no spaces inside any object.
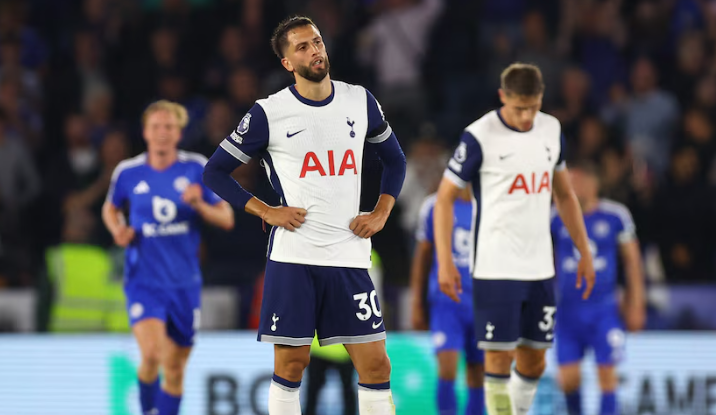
{"x":345,"y":86}
{"x":428,"y":205}
{"x":547,"y":119}
{"x":615,"y":209}
{"x":484,"y":126}
{"x":191,"y":158}
{"x":129,"y":165}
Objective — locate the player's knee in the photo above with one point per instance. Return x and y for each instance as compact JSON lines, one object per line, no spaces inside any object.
{"x":293,"y":367}
{"x":377,"y":369}
{"x":475,"y":375}
{"x":151,"y":357}
{"x":174,"y":374}
{"x":533,"y":368}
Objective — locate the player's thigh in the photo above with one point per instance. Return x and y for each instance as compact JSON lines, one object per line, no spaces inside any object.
{"x":147,"y":311}
{"x":447,"y":331}
{"x":349,"y":310}
{"x":608,"y":339}
{"x":184,"y":315}
{"x":288,"y":307}
{"x":497,"y":308}
{"x":539,"y":315}
{"x":571,"y":339}
{"x":570,"y":376}
{"x":174,"y":356}
{"x":473,"y":355}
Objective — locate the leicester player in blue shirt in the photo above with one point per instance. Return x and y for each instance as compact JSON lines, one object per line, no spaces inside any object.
{"x":451,"y":324}
{"x":163,"y":193}
{"x":596,"y":323}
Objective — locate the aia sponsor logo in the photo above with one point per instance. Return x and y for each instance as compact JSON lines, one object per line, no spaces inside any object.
{"x":531,"y":183}
{"x":327,"y":167}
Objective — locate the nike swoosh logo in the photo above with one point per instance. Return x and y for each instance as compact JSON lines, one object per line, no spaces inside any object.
{"x":506,"y":155}
{"x":375,"y":326}
{"x":289,"y":135}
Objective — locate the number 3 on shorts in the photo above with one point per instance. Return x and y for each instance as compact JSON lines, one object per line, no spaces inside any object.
{"x":368,"y":310}
{"x":547,"y":324}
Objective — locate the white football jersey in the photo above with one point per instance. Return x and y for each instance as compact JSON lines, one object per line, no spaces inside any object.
{"x":511,"y":174}
{"x":312,"y":152}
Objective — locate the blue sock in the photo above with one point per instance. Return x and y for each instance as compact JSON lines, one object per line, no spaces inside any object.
{"x":168,"y":404}
{"x":148,"y":395}
{"x":609,"y":404}
{"x":475,"y":402}
{"x":574,"y":403}
{"x":447,"y":401}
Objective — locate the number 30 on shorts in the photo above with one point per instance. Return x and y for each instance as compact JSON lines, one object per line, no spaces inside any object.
{"x":367,"y":310}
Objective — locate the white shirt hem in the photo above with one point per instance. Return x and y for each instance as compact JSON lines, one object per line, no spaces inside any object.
{"x":305,"y":261}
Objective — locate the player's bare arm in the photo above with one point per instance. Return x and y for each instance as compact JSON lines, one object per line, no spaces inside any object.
{"x":448,"y":274}
{"x":571,"y":213}
{"x":635,"y":305}
{"x":114,"y":221}
{"x":422,"y":261}
{"x":220,"y":215}
{"x":368,"y":225}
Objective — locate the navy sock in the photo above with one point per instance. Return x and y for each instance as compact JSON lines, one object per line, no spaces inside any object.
{"x":287,"y":383}
{"x":168,"y":404}
{"x":475,"y":402}
{"x":609,"y":404}
{"x":574,"y":403}
{"x":148,"y":395}
{"x":447,"y":401}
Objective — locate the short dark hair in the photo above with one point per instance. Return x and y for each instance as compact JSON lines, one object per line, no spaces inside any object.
{"x":522,"y":79}
{"x":279,"y":40}
{"x":584,"y":165}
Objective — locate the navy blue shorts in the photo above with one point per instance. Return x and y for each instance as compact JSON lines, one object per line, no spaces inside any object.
{"x":590,"y":327}
{"x":179,"y":308}
{"x":453,"y":328}
{"x":511,"y":313}
{"x":339,"y":304}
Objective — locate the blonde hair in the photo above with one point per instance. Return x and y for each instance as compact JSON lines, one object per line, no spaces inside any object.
{"x":178,"y":110}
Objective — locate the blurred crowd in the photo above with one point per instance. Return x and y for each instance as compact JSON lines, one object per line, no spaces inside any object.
{"x":633,"y":83}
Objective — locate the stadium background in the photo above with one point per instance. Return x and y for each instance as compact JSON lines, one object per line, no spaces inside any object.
{"x":633,"y":82}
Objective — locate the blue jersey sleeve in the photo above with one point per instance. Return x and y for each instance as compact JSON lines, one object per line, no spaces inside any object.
{"x":425,"y":224}
{"x":250,"y":138}
{"x":117,"y":194}
{"x":378,"y":128}
{"x":466,"y":162}
{"x":561,"y":162}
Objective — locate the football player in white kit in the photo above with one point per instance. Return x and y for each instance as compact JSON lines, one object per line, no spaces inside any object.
{"x":513,"y":158}
{"x":311,"y":137}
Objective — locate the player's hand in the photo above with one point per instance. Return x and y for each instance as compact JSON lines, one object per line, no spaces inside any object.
{"x":418,"y":317}
{"x":124,"y":236}
{"x":366,"y":225}
{"x":450,"y":281}
{"x":634,"y":318}
{"x":585,"y":270}
{"x":192,"y":195}
{"x":286,"y":217}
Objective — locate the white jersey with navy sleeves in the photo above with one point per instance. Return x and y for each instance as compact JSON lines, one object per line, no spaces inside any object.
{"x":312,"y":152}
{"x":511,"y":173}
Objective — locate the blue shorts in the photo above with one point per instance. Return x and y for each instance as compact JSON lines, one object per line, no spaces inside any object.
{"x":178,"y":308}
{"x":453,"y":328}
{"x":339,"y":304}
{"x":598,"y":328}
{"x":510,"y":313}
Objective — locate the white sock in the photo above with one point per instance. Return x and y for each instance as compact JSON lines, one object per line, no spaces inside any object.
{"x":522,"y":392}
{"x":375,"y":401}
{"x":283,"y":400}
{"x":497,"y":395}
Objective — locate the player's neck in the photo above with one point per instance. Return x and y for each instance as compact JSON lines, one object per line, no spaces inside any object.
{"x":161,"y":161}
{"x":315,"y":91}
{"x":589,"y":206}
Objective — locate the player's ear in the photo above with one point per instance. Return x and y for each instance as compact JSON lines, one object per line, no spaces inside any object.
{"x":287,"y":64}
{"x":502,"y":95}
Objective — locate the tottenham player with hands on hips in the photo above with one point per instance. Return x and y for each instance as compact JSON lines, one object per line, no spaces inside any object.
{"x":163,"y":192}
{"x":310,"y":138}
{"x":513,"y":159}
